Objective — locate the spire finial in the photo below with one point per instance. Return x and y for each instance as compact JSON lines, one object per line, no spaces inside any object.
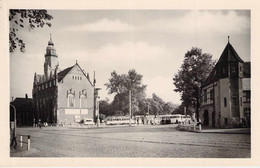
{"x":76,"y":61}
{"x":228,"y":39}
{"x":94,"y":78}
{"x":50,"y":37}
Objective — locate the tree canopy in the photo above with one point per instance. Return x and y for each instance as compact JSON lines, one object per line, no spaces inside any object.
{"x":194,"y":70}
{"x":120,"y":85}
{"x":159,"y":107}
{"x":25,"y":19}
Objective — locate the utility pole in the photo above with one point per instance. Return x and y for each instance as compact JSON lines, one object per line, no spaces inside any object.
{"x":130,"y":107}
{"x":148,"y":109}
{"x":95,"y":100}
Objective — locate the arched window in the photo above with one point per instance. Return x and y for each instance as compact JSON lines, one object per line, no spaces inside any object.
{"x":71,"y":100}
{"x":83,"y":101}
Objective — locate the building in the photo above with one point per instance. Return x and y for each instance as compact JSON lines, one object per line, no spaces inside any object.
{"x":62,"y":96}
{"x":225,"y":95}
{"x":24,"y":111}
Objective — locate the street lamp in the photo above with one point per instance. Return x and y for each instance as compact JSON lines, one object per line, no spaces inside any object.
{"x":198,"y":102}
{"x":130,"y":110}
{"x":97,"y":105}
{"x":14,"y":132}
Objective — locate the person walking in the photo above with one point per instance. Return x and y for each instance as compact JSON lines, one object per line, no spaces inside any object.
{"x":40,"y":124}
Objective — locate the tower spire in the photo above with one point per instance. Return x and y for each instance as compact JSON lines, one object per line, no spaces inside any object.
{"x":228,"y":39}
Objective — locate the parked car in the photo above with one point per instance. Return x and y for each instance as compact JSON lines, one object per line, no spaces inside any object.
{"x":88,"y":121}
{"x":45,"y":124}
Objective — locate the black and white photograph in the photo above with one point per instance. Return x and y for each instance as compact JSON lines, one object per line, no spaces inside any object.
{"x":119,"y":83}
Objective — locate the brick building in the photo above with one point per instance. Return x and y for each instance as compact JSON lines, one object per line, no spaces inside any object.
{"x":62,"y":96}
{"x":225,"y":95}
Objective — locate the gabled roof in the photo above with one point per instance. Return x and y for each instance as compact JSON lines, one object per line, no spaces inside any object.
{"x":229,"y":55}
{"x":63,"y":73}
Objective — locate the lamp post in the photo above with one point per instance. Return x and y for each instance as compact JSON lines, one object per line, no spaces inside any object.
{"x":14,"y":132}
{"x":97,"y":105}
{"x":198,"y":102}
{"x":130,"y":109}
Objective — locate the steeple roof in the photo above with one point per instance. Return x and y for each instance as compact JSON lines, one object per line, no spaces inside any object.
{"x":229,"y":55}
{"x":50,"y":42}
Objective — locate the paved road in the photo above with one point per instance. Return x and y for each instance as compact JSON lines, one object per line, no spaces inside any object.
{"x":137,"y":141}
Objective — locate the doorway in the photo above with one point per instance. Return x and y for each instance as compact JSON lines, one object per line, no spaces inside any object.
{"x":206,"y":117}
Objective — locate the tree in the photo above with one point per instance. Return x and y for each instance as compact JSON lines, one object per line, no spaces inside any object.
{"x":168,"y":108}
{"x":120,"y":85}
{"x":195,"y":69}
{"x":105,"y":107}
{"x":156,"y":105}
{"x":25,"y":18}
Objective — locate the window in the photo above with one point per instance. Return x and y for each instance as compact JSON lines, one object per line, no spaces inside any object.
{"x":72,"y":77}
{"x":71,"y":100}
{"x":225,"y":102}
{"x":205,"y":95}
{"x":247,"y":96}
{"x":223,"y":70}
{"x":226,"y":121}
{"x":211,"y":94}
{"x":83,"y":101}
{"x":241,"y":102}
{"x":233,"y":69}
{"x":247,"y":112}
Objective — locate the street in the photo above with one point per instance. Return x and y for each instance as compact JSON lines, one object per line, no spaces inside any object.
{"x":163,"y":141}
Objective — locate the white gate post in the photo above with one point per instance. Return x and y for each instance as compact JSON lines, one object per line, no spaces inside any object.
{"x":21,"y":141}
{"x":28,"y":143}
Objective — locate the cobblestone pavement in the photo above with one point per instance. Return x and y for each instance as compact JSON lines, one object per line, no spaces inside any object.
{"x":136,"y":141}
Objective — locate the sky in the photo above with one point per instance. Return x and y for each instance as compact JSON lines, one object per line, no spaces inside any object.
{"x":153,"y":42}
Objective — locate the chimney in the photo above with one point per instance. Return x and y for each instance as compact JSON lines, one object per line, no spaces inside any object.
{"x":26,"y":96}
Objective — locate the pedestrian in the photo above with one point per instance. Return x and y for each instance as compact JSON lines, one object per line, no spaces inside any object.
{"x":40,"y":124}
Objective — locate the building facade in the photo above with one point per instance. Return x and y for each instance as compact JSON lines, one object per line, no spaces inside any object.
{"x":225,"y":95}
{"x":24,"y":109}
{"x":62,"y":96}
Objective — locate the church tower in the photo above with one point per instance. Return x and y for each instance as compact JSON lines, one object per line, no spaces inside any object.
{"x":230,"y":74}
{"x":51,"y":59}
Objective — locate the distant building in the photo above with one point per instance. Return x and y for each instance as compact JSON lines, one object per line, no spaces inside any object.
{"x":62,"y":96}
{"x":24,"y":111}
{"x":225,"y":95}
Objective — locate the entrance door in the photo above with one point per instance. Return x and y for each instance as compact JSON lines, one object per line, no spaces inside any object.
{"x":206,"y":117}
{"x":213,"y":118}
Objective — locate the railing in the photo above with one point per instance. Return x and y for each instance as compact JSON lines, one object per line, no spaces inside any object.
{"x":190,"y":127}
{"x":28,"y":142}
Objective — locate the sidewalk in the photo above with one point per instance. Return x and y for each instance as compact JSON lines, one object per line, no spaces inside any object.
{"x":227,"y":131}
